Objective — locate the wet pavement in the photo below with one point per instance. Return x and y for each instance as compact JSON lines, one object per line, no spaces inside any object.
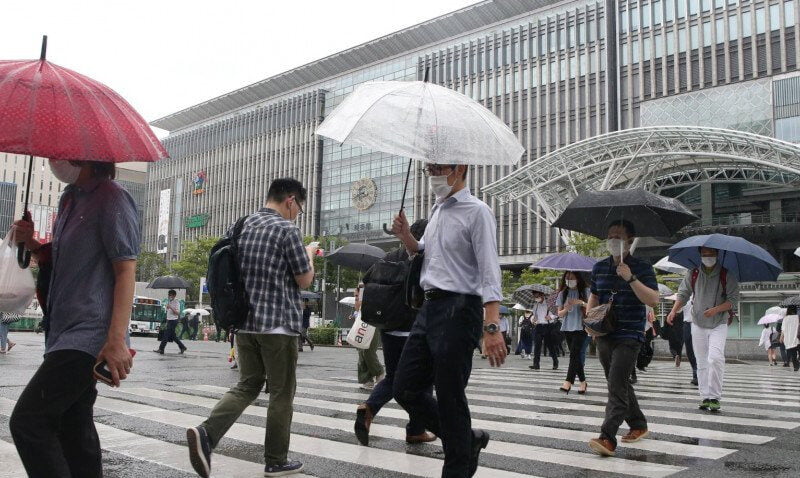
{"x":536,"y":429}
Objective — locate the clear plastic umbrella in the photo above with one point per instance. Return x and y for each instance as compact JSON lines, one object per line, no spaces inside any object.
{"x":665,"y":265}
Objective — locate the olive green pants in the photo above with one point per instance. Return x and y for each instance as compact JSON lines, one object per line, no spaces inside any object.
{"x":261,"y":357}
{"x":369,"y":366}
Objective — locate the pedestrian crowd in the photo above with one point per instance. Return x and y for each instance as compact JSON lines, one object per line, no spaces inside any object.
{"x":427,"y":352}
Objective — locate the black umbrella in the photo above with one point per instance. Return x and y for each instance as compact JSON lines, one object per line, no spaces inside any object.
{"x":652,"y":215}
{"x":524,"y":294}
{"x":795,"y":301}
{"x":168,"y":282}
{"x":356,"y":256}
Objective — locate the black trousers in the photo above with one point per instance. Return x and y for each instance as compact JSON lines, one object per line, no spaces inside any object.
{"x":794,"y":356}
{"x":575,"y":341}
{"x":687,"y":340}
{"x":53,"y":421}
{"x":676,"y":338}
{"x":543,"y":335}
{"x":170,"y":334}
{"x":194,"y":324}
{"x":618,"y":358}
{"x":439,"y":352}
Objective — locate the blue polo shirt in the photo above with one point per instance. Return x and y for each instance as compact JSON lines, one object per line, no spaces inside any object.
{"x":630,"y":312}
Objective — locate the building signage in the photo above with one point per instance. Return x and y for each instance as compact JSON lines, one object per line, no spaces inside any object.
{"x":199,"y":182}
{"x":163,"y":221}
{"x":198,"y":220}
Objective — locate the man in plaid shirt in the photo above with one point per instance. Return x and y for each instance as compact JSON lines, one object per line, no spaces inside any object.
{"x":274,"y":266}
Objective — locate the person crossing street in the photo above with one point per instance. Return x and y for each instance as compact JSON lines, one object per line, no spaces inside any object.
{"x":173,"y":312}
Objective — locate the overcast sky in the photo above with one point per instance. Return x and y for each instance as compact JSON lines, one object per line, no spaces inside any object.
{"x":166,"y":55}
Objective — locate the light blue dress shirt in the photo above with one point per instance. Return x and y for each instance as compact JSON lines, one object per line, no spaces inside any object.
{"x":460,"y":247}
{"x":574,"y":319}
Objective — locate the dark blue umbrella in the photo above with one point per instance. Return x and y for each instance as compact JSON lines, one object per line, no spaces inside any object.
{"x":747,"y":261}
{"x":566,"y":261}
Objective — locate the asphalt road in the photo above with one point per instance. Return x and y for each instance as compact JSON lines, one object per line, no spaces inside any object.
{"x":536,"y":430}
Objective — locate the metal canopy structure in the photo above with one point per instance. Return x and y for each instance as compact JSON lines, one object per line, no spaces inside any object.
{"x":654,"y":158}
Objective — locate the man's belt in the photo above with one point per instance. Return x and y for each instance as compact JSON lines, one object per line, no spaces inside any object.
{"x":436,"y":294}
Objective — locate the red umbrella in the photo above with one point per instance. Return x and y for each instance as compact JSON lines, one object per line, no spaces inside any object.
{"x":53,"y":112}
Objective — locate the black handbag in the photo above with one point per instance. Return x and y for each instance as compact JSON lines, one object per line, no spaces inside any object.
{"x":415,"y":296}
{"x":383,"y":302}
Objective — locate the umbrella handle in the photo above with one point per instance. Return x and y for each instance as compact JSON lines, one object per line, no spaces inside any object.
{"x":23,"y":256}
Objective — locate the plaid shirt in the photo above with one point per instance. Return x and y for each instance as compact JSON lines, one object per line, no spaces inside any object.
{"x":271,"y":253}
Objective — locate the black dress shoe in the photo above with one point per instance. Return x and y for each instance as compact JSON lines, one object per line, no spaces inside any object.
{"x":480,"y":439}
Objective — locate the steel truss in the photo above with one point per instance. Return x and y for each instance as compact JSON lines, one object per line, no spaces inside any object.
{"x":654,"y":158}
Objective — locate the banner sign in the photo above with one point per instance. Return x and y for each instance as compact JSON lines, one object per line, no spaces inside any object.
{"x":163,"y":221}
{"x":198,"y":220}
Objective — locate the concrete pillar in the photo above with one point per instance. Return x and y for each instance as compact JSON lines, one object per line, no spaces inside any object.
{"x":707,"y":203}
{"x":775,"y":211}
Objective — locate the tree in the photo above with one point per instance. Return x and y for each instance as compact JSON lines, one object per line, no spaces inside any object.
{"x":511,"y":281}
{"x":150,"y":265}
{"x":587,"y":245}
{"x":194,"y":263}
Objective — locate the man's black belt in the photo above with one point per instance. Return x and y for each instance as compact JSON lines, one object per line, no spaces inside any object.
{"x":436,"y":294}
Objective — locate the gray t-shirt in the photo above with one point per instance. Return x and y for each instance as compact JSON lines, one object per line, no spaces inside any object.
{"x":708,"y":293}
{"x":96,"y":226}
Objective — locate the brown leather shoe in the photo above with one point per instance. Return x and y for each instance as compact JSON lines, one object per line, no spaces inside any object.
{"x":421,"y":438}
{"x":635,"y":435}
{"x":363,"y":421}
{"x":602,"y":446}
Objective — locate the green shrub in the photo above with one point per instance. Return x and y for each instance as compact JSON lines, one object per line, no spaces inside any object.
{"x":323,"y":335}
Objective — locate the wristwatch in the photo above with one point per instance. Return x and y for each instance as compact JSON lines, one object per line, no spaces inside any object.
{"x":491,"y":328}
{"x":632,"y":279}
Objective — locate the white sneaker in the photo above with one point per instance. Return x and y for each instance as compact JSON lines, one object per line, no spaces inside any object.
{"x":367,"y":385}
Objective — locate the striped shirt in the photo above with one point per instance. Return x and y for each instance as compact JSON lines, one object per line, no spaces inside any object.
{"x":271,"y":254}
{"x":630,"y":313}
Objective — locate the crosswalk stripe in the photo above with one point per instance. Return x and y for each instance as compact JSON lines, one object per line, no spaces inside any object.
{"x":515,"y":450}
{"x":144,"y":448}
{"x":749,"y":422}
{"x":385,"y":460}
{"x":12,"y":465}
{"x":660,"y":446}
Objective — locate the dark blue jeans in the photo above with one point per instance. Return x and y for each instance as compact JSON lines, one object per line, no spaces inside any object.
{"x":439,"y":352}
{"x":383,"y":391}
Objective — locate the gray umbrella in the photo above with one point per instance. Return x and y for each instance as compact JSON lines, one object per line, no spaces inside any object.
{"x":795,"y":301}
{"x":168,"y":282}
{"x":652,"y":215}
{"x":307,"y":294}
{"x":356,"y":256}
{"x":524,"y":295}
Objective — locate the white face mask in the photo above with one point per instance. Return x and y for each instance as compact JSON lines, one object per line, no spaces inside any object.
{"x":572,"y":283}
{"x":439,"y":186}
{"x":709,"y":261}
{"x":538,"y":300}
{"x":64,"y":171}
{"x":615,"y":247}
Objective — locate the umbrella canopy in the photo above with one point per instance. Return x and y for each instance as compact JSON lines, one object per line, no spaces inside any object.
{"x":797,"y":252}
{"x":664,"y":290}
{"x":519,"y":307}
{"x":351,"y":301}
{"x":791,"y":301}
{"x":307,"y":294}
{"x":356,"y":256}
{"x":747,"y":261}
{"x":665,"y":265}
{"x":168,"y":282}
{"x":777,"y":310}
{"x":770,"y":319}
{"x":524,"y":294}
{"x":420,"y":120}
{"x":504,"y":310}
{"x":567,"y":261}
{"x":202,"y":312}
{"x":652,"y":215}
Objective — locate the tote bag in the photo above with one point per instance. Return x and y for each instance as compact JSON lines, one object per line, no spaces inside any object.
{"x":17,"y":288}
{"x":361,"y":334}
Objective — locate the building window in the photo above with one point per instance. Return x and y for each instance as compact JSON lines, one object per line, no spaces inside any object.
{"x":657,"y":13}
{"x":788,"y":129}
{"x":670,"y":4}
{"x":761,"y":26}
{"x":788,"y":14}
{"x":774,"y":17}
{"x":747,"y":29}
{"x":733,"y":28}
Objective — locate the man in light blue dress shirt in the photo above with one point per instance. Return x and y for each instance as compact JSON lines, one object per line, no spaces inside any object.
{"x":461,"y":279}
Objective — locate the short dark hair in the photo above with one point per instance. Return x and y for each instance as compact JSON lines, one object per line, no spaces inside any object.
{"x":282,"y":188}
{"x":791,"y":310}
{"x":103,"y":169}
{"x":172,"y":292}
{"x":418,"y":228}
{"x":625,"y":224}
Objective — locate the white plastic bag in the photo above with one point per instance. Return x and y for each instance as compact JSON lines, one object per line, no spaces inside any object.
{"x":361,"y":334}
{"x":17,"y":288}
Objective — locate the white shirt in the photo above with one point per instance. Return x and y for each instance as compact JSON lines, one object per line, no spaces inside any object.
{"x":541,"y":314}
{"x":460,"y":247}
{"x":173,"y":304}
{"x":687,"y":311}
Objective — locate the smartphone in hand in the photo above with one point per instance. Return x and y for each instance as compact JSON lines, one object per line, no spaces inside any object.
{"x":102,"y":373}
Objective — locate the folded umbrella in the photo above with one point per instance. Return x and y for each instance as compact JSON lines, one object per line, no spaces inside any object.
{"x":524,"y":295}
{"x":356,"y":256}
{"x":652,"y":215}
{"x":168,"y":282}
{"x":745,"y":260}
{"x":566,"y":261}
{"x":665,"y":265}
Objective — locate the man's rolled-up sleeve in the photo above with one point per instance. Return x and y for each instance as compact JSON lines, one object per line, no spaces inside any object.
{"x":484,"y":245}
{"x":120,"y":231}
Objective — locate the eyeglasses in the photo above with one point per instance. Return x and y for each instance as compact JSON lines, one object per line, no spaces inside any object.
{"x":437,"y":169}
{"x":298,"y":205}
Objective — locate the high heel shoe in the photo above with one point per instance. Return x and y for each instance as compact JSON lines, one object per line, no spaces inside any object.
{"x":565,"y":390}
{"x":585,"y":386}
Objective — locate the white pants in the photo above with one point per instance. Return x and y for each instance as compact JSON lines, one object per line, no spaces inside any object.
{"x":709,"y":349}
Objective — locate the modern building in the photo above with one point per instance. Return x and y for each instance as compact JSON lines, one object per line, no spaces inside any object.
{"x":629,"y":79}
{"x":45,"y":189}
{"x":8,"y":194}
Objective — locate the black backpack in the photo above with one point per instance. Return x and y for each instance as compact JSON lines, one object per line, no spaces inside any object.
{"x":383,"y":303}
{"x":229,"y":299}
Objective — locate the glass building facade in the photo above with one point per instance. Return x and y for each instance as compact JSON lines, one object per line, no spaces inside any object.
{"x":556,"y":72}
